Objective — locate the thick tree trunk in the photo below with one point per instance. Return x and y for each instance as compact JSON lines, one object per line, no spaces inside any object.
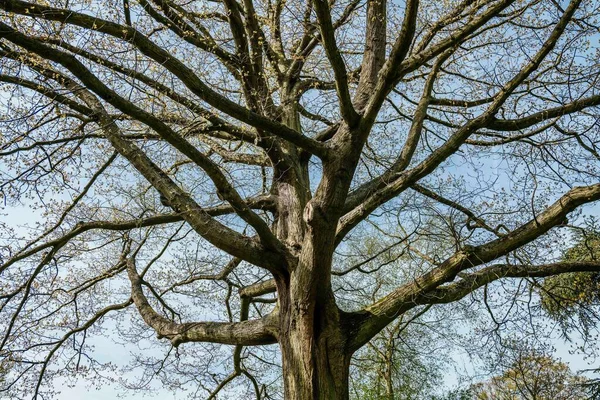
{"x":313,"y":342}
{"x":315,"y":359}
{"x":314,"y":369}
{"x":315,"y":356}
{"x":291,"y":185}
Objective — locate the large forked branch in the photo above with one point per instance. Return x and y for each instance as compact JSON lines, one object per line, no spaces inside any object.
{"x":162,"y":219}
{"x":138,"y":159}
{"x":246,"y":333}
{"x":400,"y":63}
{"x":368,"y":197}
{"x":213,"y":231}
{"x":377,"y":316}
{"x":168,"y":61}
{"x":471,"y":282}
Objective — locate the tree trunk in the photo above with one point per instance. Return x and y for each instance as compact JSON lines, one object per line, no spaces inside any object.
{"x":314,"y":356}
{"x":313,"y":344}
{"x":314,"y":370}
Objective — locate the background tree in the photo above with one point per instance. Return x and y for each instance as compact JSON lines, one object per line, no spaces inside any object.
{"x":395,"y":365}
{"x":199,"y":171}
{"x":407,"y":359}
{"x":533,"y":375}
{"x":572,"y":298}
{"x":457,"y":394}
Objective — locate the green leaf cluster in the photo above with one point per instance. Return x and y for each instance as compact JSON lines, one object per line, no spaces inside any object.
{"x":567,"y":295}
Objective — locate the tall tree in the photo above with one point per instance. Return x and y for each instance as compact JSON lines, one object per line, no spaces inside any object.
{"x":533,"y":375}
{"x":175,"y":152}
{"x":397,"y":366}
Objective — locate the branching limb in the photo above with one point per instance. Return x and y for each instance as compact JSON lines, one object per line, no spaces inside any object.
{"x":258,"y":289}
{"x":132,"y":152}
{"x":526,"y":122}
{"x":378,"y":315}
{"x":471,"y":282}
{"x":337,"y":62}
{"x":247,"y":333}
{"x":158,"y":54}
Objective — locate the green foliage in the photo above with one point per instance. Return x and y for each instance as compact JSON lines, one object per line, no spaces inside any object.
{"x":526,"y":374}
{"x":456,"y":394}
{"x":396,"y":365}
{"x":565,"y":296}
{"x":533,"y":375}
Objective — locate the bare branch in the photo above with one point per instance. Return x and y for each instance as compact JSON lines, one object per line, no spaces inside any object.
{"x":378,"y":315}
{"x":159,"y":55}
{"x":471,"y":282}
{"x":337,"y":62}
{"x":247,"y":333}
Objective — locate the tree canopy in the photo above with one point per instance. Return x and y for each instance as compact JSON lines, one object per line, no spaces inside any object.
{"x":242,"y":195}
{"x":533,"y":375}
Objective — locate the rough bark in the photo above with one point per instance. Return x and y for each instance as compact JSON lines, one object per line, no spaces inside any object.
{"x":312,"y":340}
{"x":313,"y":347}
